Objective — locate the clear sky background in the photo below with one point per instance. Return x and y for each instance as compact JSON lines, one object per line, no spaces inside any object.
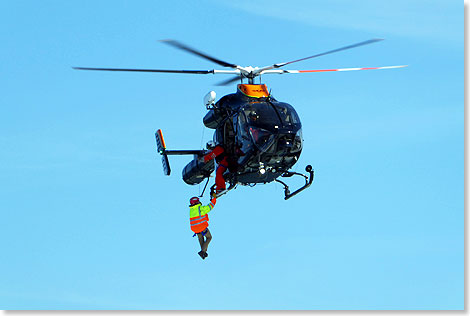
{"x":89,"y":221}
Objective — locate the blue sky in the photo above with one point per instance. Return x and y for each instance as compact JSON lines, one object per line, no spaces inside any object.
{"x":90,"y":221}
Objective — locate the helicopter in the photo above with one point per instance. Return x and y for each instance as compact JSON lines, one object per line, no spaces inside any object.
{"x":261,"y":136}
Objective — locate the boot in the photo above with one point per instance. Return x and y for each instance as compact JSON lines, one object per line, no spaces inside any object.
{"x":202,"y":254}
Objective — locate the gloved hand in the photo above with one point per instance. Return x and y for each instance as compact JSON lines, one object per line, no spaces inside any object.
{"x":213,"y":195}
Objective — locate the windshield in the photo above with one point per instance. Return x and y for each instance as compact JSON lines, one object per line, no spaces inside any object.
{"x":262,"y":138}
{"x":261,"y":121}
{"x":287,"y":114}
{"x":261,"y":115}
{"x":256,"y":122}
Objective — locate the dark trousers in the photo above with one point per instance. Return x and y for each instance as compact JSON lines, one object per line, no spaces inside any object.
{"x":204,"y":240}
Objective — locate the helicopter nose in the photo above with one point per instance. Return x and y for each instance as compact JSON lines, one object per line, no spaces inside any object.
{"x":286,"y":142}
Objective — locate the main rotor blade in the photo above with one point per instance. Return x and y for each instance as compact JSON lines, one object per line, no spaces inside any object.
{"x":228,"y":81}
{"x":325,"y":53}
{"x":349,"y":69}
{"x":150,"y":70}
{"x":198,"y":53}
{"x":283,"y":71}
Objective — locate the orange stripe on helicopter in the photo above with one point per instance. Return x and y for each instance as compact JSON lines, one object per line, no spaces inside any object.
{"x":160,"y":135}
{"x":254,"y":90}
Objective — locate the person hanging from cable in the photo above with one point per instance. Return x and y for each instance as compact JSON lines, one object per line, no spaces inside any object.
{"x":217,"y":152}
{"x":199,"y":221}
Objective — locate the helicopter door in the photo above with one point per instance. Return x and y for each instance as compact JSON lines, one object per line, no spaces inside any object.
{"x":243,"y":139}
{"x":218,"y":136}
{"x":229,"y":137}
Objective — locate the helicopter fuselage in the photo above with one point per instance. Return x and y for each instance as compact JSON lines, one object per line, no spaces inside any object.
{"x":262,"y":137}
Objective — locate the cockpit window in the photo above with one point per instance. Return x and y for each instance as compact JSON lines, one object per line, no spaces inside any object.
{"x":261,"y":137}
{"x":261,"y":115}
{"x":287,"y":114}
{"x":256,"y":125}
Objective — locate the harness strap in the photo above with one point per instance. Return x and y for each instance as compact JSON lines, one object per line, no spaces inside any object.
{"x":204,"y":232}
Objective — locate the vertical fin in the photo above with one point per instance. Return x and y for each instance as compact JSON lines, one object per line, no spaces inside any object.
{"x":161,"y":148}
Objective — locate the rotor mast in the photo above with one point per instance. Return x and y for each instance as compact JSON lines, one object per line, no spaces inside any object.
{"x":249,"y":73}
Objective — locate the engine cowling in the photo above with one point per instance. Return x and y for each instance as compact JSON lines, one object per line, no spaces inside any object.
{"x":196,"y":170}
{"x":212,"y":119}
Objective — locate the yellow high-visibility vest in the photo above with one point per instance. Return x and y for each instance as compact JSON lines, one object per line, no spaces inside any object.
{"x":198,"y":218}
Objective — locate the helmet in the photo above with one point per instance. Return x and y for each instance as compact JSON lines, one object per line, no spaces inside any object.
{"x":210,"y":144}
{"x":253,"y":116}
{"x":194,"y":200}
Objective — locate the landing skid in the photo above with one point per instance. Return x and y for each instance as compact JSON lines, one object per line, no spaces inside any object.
{"x":308,"y":181}
{"x":231,"y":186}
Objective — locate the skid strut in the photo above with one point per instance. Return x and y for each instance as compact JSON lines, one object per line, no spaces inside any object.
{"x":308,"y":181}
